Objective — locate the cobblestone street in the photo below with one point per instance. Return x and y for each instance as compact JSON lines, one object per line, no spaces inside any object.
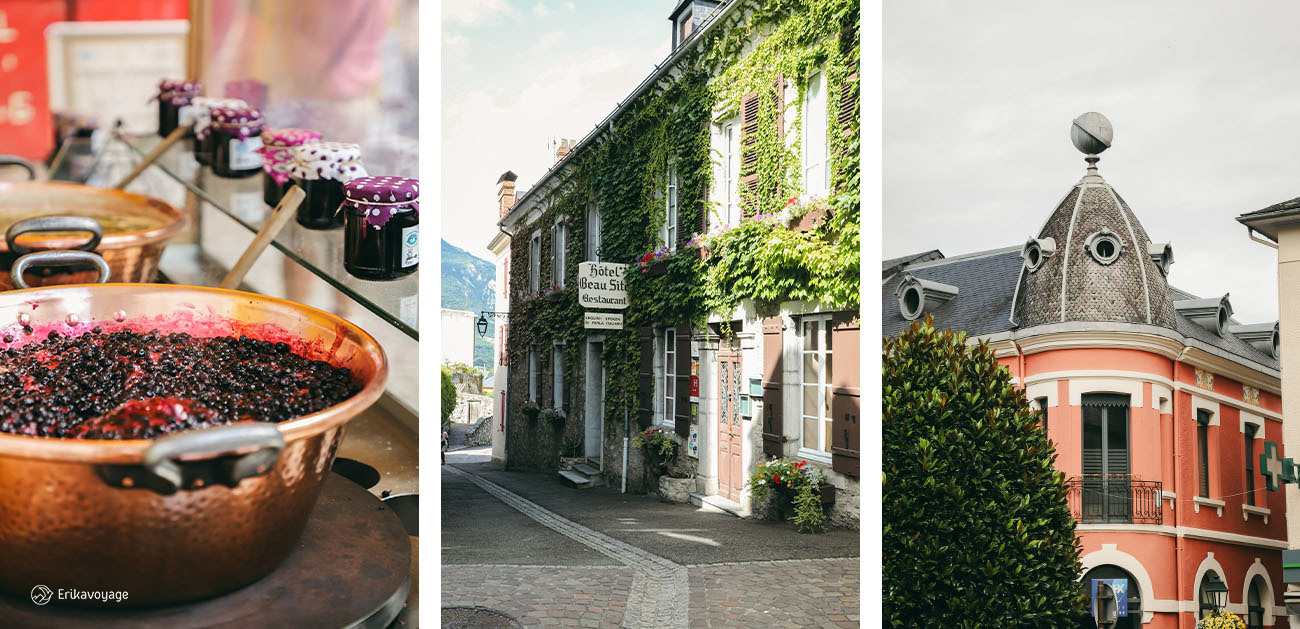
{"x":551,"y":556}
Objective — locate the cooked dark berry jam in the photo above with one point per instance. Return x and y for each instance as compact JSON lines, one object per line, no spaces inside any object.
{"x":131,"y":385}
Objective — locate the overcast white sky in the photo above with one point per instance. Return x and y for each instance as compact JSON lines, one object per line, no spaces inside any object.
{"x":517,"y":73}
{"x":1204,"y":98}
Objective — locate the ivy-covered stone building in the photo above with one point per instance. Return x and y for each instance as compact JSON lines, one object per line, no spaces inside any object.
{"x":728,"y":182}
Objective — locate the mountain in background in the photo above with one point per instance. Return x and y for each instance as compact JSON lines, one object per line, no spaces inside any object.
{"x":468,"y":284}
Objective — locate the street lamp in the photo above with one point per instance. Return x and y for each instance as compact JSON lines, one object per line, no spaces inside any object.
{"x":482,"y":323}
{"x":1217,"y":592}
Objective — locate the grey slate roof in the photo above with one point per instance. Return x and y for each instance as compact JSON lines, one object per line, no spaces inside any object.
{"x":892,"y":266}
{"x":1267,"y":220}
{"x":985,"y":280}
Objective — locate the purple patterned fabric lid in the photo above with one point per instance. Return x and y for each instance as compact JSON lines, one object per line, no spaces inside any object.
{"x":276,"y":154}
{"x":327,"y":160}
{"x":380,"y":198}
{"x":178,"y":93}
{"x":244,"y":122}
{"x":199,"y":112}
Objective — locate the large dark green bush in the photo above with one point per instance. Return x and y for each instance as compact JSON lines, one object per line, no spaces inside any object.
{"x":448,"y":395}
{"x":977,"y":532}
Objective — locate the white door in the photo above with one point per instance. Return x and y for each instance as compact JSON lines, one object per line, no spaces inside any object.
{"x":595,"y":411}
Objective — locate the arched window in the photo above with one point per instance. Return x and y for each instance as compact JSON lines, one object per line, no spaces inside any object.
{"x":1205,"y":600}
{"x":1119,"y":579}
{"x":1255,"y":602}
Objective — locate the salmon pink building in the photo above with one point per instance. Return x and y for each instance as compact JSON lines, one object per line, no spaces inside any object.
{"x":1159,"y":402}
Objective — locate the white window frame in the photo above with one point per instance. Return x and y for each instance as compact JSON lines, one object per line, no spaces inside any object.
{"x":557,"y":376}
{"x":593,"y":232}
{"x":668,"y":232}
{"x":731,"y":172}
{"x":822,"y":352}
{"x":535,"y":263}
{"x":668,"y":403}
{"x":559,"y":247}
{"x":532,"y":373}
{"x":816,"y":148}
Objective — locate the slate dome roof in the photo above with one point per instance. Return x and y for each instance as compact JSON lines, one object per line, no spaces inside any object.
{"x":1073,"y":284}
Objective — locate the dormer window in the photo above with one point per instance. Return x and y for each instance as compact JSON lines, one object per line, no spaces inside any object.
{"x":1266,"y":337}
{"x":1104,"y":246}
{"x":1037,"y":251}
{"x":917,"y":296}
{"x":688,"y":17}
{"x":1212,"y":314}
{"x":1162,"y":254}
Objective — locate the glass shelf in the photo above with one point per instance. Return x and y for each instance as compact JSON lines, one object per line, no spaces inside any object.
{"x":319,"y":251}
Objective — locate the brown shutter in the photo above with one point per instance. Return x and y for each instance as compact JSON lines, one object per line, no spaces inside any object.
{"x":645,"y":380}
{"x":849,"y":105}
{"x":682,"y":419}
{"x":846,"y":400}
{"x":749,"y":106}
{"x":778,"y":90}
{"x":773,"y":428}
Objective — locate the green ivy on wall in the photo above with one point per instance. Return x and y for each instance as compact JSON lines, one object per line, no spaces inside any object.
{"x":625,"y":173}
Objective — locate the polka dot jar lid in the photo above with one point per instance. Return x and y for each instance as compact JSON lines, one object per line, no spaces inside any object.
{"x":276,"y":154}
{"x":242,"y":121}
{"x":178,"y":92}
{"x":200,"y":112}
{"x":289,"y":137}
{"x":380,"y":198}
{"x":327,"y":160}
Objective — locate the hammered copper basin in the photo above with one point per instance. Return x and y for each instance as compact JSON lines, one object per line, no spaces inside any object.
{"x":186,"y":516}
{"x":136,"y":228}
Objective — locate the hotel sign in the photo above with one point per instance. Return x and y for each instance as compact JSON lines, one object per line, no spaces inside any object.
{"x":601,"y":285}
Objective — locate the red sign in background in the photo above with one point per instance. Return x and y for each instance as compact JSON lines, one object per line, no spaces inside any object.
{"x":26,"y":126}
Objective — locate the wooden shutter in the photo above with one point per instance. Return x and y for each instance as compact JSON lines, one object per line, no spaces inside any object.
{"x":773,"y":427}
{"x":645,"y":393}
{"x":848,"y":117}
{"x":749,"y":105}
{"x":846,"y":393}
{"x":682,"y":419}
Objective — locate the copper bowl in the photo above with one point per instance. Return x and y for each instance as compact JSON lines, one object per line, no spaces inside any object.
{"x":186,"y":516}
{"x":135,"y":229}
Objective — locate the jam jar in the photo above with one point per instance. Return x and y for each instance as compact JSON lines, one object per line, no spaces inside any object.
{"x":172,"y":96}
{"x":236,"y":136}
{"x":382,"y":238}
{"x":199,"y":113}
{"x":276,"y":158}
{"x":321,"y":169}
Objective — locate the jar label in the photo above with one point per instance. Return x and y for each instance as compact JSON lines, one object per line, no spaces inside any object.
{"x":410,"y":246}
{"x":187,"y":115}
{"x":244,"y":155}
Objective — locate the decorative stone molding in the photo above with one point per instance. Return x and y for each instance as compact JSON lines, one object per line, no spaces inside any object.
{"x":1250,"y":394}
{"x":1249,"y":510}
{"x":1204,"y":379}
{"x":1217,"y":505}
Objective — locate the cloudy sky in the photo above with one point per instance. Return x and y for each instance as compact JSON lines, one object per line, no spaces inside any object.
{"x":518,"y":73}
{"x":1204,"y":98}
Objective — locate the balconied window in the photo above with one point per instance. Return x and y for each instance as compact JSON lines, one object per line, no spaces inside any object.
{"x":1106,"y":491}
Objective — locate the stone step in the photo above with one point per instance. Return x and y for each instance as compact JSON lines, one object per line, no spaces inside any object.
{"x":587,"y":469}
{"x":718,"y":504}
{"x":576,"y":479}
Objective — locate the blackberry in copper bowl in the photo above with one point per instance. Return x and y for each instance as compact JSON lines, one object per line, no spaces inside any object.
{"x":133,"y":385}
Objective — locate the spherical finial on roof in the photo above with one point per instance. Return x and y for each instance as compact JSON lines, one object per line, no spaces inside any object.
{"x":1091,"y":133}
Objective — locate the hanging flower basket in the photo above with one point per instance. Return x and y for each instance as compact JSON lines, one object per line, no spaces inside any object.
{"x":530,"y":409}
{"x":553,"y":416}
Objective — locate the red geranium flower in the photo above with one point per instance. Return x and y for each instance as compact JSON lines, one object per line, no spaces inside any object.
{"x":776,"y":478}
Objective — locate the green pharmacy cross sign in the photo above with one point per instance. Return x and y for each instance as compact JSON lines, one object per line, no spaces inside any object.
{"x":1276,"y":470}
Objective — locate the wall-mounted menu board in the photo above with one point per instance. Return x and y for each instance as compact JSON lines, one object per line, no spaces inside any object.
{"x":111,"y":69}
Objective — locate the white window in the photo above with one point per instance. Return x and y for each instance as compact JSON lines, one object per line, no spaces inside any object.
{"x":668,"y":233}
{"x":593,"y":232}
{"x":670,"y":375}
{"x":731,"y":172}
{"x":559,"y":250}
{"x":557,"y":376}
{"x":532,"y":373}
{"x":816,"y":152}
{"x":815,"y":386}
{"x":534,"y":263}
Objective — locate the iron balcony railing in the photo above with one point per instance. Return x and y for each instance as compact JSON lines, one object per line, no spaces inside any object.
{"x":1096,"y":498}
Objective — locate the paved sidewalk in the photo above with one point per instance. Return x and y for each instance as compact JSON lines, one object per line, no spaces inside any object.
{"x":550,"y":555}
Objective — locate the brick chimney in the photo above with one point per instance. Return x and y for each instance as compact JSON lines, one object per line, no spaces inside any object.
{"x":562,"y":148}
{"x":505,"y":193}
